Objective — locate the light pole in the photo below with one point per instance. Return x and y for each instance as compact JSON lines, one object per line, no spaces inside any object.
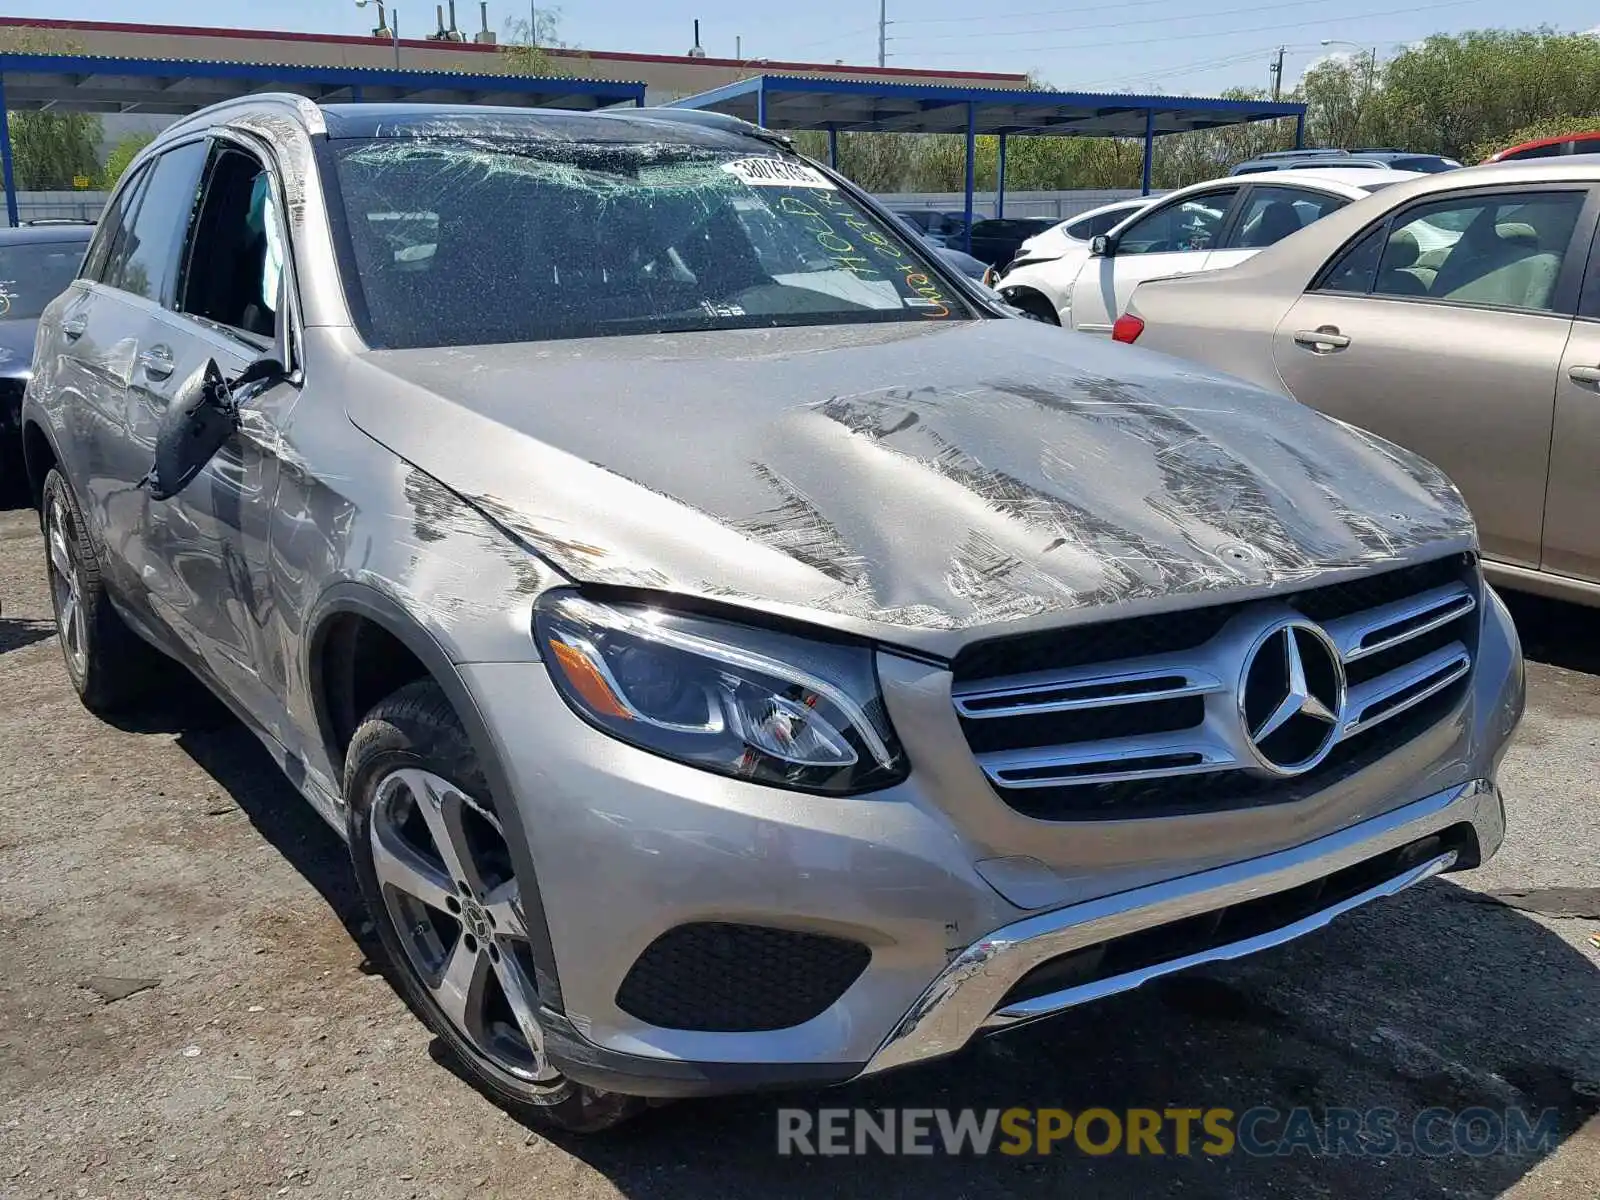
{"x":1366,"y":86}
{"x":393,"y":22}
{"x":1371,"y":64}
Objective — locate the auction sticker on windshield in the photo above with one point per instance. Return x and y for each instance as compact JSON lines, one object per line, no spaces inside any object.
{"x":777,"y":172}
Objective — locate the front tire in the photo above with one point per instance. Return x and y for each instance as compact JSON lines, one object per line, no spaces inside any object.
{"x":437,"y":875}
{"x":107,"y":663}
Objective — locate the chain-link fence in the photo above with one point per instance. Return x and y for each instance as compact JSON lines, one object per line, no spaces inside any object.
{"x":60,"y":206}
{"x":1057,"y":205}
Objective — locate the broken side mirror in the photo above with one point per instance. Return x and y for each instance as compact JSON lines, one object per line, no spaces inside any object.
{"x":1101,"y":246}
{"x":202,"y":416}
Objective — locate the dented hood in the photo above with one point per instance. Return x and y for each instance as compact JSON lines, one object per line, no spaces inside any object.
{"x":923,"y":484}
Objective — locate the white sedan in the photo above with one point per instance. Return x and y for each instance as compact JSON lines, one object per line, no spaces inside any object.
{"x":1073,"y":235}
{"x":1203,"y":227}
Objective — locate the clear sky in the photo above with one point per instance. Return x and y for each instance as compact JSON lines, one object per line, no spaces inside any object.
{"x":1147,"y":45}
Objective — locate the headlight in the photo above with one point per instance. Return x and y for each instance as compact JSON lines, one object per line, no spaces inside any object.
{"x":770,"y":707}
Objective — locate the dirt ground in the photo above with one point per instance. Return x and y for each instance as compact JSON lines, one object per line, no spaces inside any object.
{"x":187,"y":1008}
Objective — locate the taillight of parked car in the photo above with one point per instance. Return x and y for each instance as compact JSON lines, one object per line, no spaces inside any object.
{"x":1127,"y":328}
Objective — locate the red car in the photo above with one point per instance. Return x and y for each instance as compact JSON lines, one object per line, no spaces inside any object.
{"x":1551,"y":147}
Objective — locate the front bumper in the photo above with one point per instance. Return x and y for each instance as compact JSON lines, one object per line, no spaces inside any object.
{"x":627,"y":846}
{"x":970,"y":995}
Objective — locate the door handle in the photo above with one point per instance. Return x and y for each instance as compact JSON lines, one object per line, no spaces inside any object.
{"x":157,"y":362}
{"x":1589,"y":375}
{"x":74,"y":327}
{"x":1324,"y":339}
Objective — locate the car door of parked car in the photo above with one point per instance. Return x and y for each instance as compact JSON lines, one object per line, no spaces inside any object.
{"x":1572,"y":499}
{"x":104,"y":366}
{"x":1442,"y":327}
{"x":1268,"y":213}
{"x":1175,"y":238}
{"x":212,"y":540}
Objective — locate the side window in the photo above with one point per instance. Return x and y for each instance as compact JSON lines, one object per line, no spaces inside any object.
{"x":1273,"y":213}
{"x":1353,"y":271}
{"x":112,"y":224}
{"x":1091,"y":227}
{"x":1553,"y":150}
{"x":1191,"y":224}
{"x":237,"y":255}
{"x":1505,"y":251}
{"x":145,"y":256}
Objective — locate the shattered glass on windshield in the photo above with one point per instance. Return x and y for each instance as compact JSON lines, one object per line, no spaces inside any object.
{"x":461,"y":241}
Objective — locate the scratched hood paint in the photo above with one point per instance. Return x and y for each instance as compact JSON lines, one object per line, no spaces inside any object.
{"x":926,"y":484}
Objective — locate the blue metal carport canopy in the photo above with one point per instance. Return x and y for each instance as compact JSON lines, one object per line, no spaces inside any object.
{"x":177,"y":87}
{"x":863,"y":106}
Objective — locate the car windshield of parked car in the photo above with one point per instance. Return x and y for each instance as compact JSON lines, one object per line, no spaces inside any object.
{"x":34,"y":273}
{"x":458,"y":241}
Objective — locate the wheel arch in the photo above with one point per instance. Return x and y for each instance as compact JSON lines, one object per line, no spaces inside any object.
{"x":38,"y":456}
{"x":348,"y":601}
{"x":1033,"y":302}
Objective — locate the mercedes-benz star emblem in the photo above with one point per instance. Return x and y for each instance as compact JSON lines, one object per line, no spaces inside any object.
{"x":1292,"y":697}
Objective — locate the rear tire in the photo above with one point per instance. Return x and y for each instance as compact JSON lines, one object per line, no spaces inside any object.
{"x":108,"y":664}
{"x":437,"y":876}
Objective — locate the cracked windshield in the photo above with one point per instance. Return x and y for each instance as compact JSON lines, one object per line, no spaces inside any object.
{"x":460,"y":242}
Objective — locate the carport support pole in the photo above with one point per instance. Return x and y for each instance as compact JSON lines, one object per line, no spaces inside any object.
{"x":833,"y":147}
{"x":761,"y":104}
{"x":1300,"y":131}
{"x":5,"y":159}
{"x":1149,"y":149}
{"x":972,"y":153}
{"x":1000,"y":179}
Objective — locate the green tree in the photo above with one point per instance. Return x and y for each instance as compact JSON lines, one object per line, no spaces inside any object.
{"x":121,"y":155}
{"x":526,"y":51}
{"x":1548,"y":128}
{"x":879,"y":162}
{"x":1453,"y":93}
{"x":49,"y":150}
{"x":1344,"y":103}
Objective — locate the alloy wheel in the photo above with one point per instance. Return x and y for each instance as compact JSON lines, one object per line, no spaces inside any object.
{"x":445,"y":871}
{"x":66,"y":588}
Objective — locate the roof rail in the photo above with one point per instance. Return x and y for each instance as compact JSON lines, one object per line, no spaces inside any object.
{"x":704,"y":118}
{"x":1308,"y":152}
{"x":306,"y":109}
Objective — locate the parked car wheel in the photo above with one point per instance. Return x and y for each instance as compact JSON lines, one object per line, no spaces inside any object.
{"x":436,"y":872}
{"x":108,"y":665}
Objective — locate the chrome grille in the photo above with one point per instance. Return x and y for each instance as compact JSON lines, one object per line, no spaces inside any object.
{"x":1074,"y":738}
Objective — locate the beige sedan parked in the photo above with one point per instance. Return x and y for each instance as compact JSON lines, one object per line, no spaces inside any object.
{"x":1458,"y":315}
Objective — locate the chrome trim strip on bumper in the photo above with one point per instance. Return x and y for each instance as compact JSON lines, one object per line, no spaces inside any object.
{"x":966,"y":996}
{"x":1043,"y":1006}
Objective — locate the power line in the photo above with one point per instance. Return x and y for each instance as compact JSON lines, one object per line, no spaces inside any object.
{"x":835,"y":37}
{"x":1218,"y":33}
{"x":1197,"y":16}
{"x":1178,"y":70}
{"x":1037,"y":12}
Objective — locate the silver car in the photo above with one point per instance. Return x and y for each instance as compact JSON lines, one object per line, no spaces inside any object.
{"x":1458,"y":315}
{"x":737,"y":653}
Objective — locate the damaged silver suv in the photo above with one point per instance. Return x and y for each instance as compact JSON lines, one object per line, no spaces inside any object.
{"x":737,"y":653}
